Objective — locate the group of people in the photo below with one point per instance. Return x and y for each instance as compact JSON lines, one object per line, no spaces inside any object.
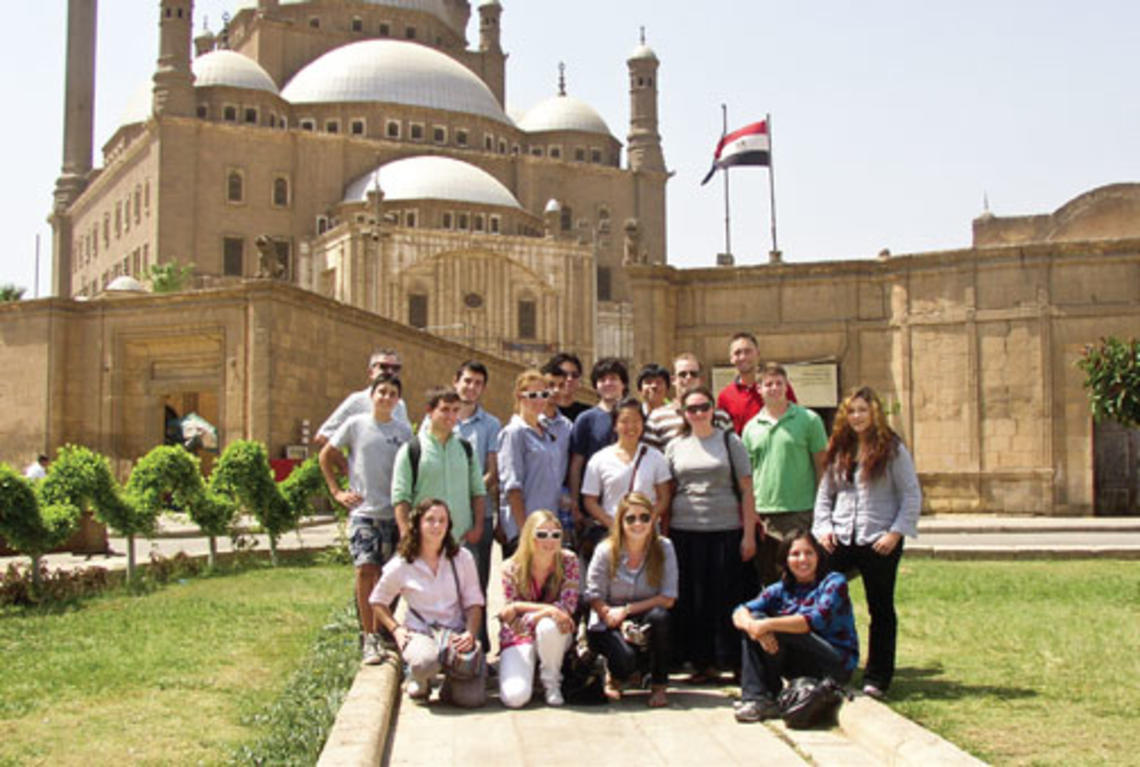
{"x":713,"y":533}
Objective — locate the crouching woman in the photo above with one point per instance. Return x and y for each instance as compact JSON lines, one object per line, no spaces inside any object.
{"x":540,"y":589}
{"x":440,"y":584}
{"x":801,"y":625}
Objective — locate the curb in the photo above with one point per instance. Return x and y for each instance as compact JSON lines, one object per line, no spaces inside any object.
{"x":359,"y":736}
{"x":896,"y":740}
{"x":194,"y":532}
{"x":1000,"y":553}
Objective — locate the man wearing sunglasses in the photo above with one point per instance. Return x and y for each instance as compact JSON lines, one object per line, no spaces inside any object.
{"x":382,"y":361}
{"x":571,"y":368}
{"x":665,"y":422}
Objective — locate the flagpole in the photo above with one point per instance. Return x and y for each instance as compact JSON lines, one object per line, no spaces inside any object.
{"x":774,"y":256}
{"x":727,"y":224}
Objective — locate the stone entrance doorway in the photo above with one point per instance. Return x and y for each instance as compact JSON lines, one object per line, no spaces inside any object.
{"x":1116,"y":469}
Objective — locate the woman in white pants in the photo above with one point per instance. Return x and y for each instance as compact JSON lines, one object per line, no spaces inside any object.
{"x":540,"y":590}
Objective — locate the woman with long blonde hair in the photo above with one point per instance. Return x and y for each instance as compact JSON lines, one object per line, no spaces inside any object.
{"x":868,"y":499}
{"x":631,"y":585}
{"x":540,"y":592}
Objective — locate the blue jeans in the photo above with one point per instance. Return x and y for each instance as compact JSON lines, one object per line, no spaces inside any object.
{"x":761,"y":674}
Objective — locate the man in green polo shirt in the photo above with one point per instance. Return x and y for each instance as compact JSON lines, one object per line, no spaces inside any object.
{"x":446,"y":470}
{"x":787,"y":444}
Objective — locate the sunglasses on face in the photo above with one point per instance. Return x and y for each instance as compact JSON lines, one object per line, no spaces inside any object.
{"x":535,"y":394}
{"x":542,"y":535}
{"x":689,"y":374}
{"x":702,"y":407}
{"x":572,"y":374}
{"x":388,"y":368}
{"x":643,"y":518}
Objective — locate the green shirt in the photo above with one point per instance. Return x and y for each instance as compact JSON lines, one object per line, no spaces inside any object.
{"x":445,"y":473}
{"x":783,"y":475}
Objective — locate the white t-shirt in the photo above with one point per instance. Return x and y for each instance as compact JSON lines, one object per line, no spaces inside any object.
{"x":372,"y":452}
{"x":607,"y":476}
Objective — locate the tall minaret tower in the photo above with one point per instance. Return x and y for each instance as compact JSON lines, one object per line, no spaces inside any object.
{"x":644,"y":142}
{"x":78,"y":134}
{"x":493,"y":61}
{"x":173,"y":79}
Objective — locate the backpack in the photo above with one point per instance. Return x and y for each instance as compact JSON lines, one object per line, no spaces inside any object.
{"x":807,"y":702}
{"x":415,"y":449}
{"x":583,"y":677}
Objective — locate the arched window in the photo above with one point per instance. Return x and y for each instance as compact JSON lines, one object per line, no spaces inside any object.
{"x":234,"y":191}
{"x":281,"y":191}
{"x":528,"y":318}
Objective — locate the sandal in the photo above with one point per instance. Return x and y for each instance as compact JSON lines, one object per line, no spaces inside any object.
{"x":612,"y":689}
{"x":708,"y":676}
{"x":658,"y":697}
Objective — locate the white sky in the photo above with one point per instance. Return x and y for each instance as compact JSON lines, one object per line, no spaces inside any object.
{"x":891,"y":118}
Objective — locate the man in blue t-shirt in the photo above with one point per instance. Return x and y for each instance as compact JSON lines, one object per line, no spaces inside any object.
{"x":594,"y":429}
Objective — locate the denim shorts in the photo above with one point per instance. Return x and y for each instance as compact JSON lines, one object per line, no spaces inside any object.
{"x":371,"y":541}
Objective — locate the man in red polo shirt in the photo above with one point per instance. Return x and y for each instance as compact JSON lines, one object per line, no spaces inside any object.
{"x":741,"y":399}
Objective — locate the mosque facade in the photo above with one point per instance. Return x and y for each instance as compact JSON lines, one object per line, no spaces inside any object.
{"x":362,"y":150}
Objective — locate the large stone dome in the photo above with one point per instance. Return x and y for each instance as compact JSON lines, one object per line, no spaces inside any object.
{"x":563,"y":113}
{"x":227,"y":68}
{"x":431,"y":177}
{"x":393,"y":71}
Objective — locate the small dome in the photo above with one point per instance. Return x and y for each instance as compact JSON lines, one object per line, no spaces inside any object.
{"x":642,"y":53}
{"x":563,"y":113}
{"x":395,"y":72}
{"x":430,"y":177}
{"x":138,"y":108}
{"x":125,"y":284}
{"x":552,"y":206}
{"x":231,"y":69}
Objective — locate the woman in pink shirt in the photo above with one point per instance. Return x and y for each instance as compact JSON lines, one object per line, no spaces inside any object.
{"x":440,"y":585}
{"x":540,"y":589}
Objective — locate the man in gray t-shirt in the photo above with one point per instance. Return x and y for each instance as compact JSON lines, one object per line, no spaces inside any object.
{"x":372,"y":440}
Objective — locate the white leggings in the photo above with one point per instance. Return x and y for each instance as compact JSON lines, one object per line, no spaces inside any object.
{"x":516,"y":663}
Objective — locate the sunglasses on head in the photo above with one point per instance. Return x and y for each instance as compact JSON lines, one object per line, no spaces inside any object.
{"x":535,"y":394}
{"x":542,"y":535}
{"x":702,"y":407}
{"x":643,"y":517}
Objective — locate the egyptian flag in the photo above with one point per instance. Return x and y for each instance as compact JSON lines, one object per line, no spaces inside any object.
{"x":747,"y":146}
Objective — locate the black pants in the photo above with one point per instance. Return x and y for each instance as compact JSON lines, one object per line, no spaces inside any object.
{"x":712,"y":582}
{"x":879,"y":575}
{"x":622,"y":658}
{"x":761,"y":674}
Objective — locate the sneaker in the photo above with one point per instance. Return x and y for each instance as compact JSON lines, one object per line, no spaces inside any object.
{"x":371,"y":654}
{"x":418,"y":690}
{"x":554,"y":696}
{"x":757,"y":710}
{"x":872,"y":690}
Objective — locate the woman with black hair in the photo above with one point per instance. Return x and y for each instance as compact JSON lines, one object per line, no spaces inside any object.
{"x":801,"y":625}
{"x":438,"y":581}
{"x":868,"y":499}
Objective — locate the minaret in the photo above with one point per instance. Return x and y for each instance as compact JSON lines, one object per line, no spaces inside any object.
{"x":493,"y":64}
{"x":489,"y":37}
{"x":78,"y":133}
{"x":173,"y":80}
{"x":644,"y":142}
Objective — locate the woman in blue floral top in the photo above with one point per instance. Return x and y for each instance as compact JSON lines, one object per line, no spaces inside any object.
{"x":801,"y":625}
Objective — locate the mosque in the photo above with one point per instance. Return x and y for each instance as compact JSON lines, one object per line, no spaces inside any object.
{"x":362,"y":151}
{"x":343,"y":175}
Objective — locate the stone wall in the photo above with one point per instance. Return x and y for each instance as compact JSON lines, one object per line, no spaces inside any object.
{"x":976,"y":346}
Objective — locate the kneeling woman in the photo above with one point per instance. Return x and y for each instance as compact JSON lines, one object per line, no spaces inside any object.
{"x":631,"y":584}
{"x":801,"y":625}
{"x":540,"y":590}
{"x":440,"y":584}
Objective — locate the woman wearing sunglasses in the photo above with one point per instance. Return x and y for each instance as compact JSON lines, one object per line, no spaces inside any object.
{"x":532,"y":466}
{"x":627,"y":466}
{"x":540,"y":592}
{"x":713,"y":528}
{"x":631,"y":584}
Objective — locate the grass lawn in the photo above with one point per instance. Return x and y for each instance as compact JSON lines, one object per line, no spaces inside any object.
{"x":167,"y":677}
{"x":1021,"y":662}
